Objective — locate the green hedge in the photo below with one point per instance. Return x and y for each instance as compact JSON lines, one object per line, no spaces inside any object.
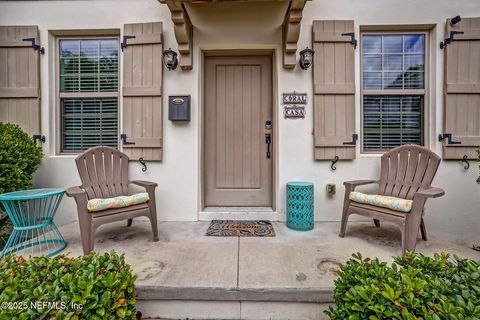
{"x":89,"y":287}
{"x":413,"y":287}
{"x":19,"y":159}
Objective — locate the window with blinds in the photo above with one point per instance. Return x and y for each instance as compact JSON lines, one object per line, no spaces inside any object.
{"x":88,"y":91}
{"x":393,"y":82}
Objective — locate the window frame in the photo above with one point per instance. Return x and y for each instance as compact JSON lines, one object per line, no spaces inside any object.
{"x":72,"y":95}
{"x":425,"y":93}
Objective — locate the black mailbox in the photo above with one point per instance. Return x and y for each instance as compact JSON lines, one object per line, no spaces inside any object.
{"x":179,"y":108}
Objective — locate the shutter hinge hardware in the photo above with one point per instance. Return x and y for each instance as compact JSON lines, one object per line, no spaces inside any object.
{"x":449,"y":138}
{"x":352,"y":35}
{"x":444,"y":43}
{"x":123,"y":137}
{"x":35,"y":46}
{"x":124,"y":44}
{"x":38,"y":137}
{"x":354,"y":140}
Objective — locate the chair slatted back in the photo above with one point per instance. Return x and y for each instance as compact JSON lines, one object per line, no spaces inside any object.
{"x":406,"y":169}
{"x":104,"y":172}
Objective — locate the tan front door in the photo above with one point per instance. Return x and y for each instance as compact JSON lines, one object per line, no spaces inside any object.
{"x":238,"y":104}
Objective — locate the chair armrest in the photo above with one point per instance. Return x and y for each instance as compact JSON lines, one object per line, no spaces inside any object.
{"x":355,"y":183}
{"x":144,"y":184}
{"x":429,"y":193}
{"x":74,"y":192}
{"x":81,"y":200}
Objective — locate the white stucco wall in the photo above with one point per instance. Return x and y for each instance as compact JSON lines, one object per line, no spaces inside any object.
{"x":233,"y":26}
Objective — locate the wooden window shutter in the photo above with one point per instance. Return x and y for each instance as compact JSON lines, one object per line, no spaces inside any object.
{"x":334,"y":90}
{"x":142,"y":91}
{"x":20,"y":78}
{"x":462,"y":90}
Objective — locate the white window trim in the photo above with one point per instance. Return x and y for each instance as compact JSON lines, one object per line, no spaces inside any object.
{"x":392,"y":30}
{"x":83,"y":35}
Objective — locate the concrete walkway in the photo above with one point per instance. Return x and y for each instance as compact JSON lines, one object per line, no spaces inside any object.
{"x":290,"y":270}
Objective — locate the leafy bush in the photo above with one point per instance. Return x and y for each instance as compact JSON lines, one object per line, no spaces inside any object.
{"x":413,"y":287}
{"x":19,"y":158}
{"x":89,"y":287}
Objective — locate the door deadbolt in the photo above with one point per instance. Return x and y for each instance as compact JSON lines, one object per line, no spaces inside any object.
{"x":268,"y":124}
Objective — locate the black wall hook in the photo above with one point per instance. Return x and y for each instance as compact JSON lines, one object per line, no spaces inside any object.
{"x":335,"y":160}
{"x":143,"y":163}
{"x":465,"y":160}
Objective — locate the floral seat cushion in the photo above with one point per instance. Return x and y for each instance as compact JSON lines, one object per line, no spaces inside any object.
{"x":95,"y":205}
{"x":392,"y":203}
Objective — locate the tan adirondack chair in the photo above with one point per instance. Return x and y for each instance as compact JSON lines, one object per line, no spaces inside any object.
{"x":104,"y":174}
{"x":406,"y":172}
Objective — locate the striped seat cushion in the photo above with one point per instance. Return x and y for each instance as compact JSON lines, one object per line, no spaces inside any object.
{"x":96,"y":205}
{"x":392,"y":203}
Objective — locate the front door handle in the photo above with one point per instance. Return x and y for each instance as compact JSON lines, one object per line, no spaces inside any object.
{"x":268,"y":141}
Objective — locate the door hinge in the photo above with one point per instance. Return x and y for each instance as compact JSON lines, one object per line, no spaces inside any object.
{"x":444,"y":43}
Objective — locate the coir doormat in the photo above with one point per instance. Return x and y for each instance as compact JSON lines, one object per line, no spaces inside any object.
{"x":235,"y":228}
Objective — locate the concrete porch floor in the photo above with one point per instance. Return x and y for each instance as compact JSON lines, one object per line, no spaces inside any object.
{"x":189,"y":275}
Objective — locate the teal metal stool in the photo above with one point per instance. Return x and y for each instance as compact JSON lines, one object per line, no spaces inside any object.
{"x":300,"y":206}
{"x":32,"y":212}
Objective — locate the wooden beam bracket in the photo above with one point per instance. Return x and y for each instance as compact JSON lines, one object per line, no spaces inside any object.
{"x":291,"y":32}
{"x":183,"y":29}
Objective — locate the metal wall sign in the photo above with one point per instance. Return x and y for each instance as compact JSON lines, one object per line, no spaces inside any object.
{"x":294,"y":112}
{"x":295,"y":98}
{"x":294,"y":104}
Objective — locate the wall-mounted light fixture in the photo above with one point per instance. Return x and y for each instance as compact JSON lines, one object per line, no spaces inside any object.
{"x":170,"y":59}
{"x":306,"y":58}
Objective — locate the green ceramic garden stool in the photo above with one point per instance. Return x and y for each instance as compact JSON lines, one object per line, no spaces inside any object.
{"x":300,"y":206}
{"x":32,"y":212}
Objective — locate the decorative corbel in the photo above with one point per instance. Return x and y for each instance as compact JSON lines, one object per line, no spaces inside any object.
{"x":291,"y":32}
{"x":183,"y":32}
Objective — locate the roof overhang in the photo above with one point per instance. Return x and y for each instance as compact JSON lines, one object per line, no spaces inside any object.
{"x":183,"y":28}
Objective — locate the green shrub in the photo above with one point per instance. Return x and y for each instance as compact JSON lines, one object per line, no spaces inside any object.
{"x":413,"y":287}
{"x":19,"y":158}
{"x":89,"y":287}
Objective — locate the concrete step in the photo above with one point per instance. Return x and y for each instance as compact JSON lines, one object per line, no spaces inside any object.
{"x":233,"y":303}
{"x":231,"y":310}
